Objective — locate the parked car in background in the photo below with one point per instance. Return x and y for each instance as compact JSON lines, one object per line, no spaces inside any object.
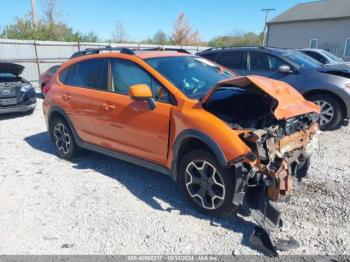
{"x":45,"y":77}
{"x":225,"y":139}
{"x":326,"y":86}
{"x":328,"y":60}
{"x":16,"y":93}
{"x":323,"y":56}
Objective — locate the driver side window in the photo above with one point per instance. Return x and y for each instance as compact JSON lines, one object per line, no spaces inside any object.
{"x":126,"y":74}
{"x":263,"y":61}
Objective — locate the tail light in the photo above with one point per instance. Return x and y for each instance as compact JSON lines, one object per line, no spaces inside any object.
{"x":46,"y":89}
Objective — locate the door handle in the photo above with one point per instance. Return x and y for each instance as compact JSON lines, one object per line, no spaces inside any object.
{"x":66,"y":97}
{"x":108,"y":107}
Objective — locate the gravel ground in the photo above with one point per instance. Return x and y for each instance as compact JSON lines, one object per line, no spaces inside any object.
{"x":100,"y":205}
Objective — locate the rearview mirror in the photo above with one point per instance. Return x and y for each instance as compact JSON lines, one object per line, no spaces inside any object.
{"x":284,"y":69}
{"x":142,"y":92}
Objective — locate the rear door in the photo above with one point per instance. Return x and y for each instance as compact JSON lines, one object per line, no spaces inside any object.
{"x":85,"y":84}
{"x":235,"y":60}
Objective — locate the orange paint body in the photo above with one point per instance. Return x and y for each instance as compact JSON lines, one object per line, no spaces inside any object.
{"x":118,"y":122}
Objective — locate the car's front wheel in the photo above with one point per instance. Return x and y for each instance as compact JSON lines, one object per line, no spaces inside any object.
{"x":205,"y":184}
{"x":331,"y":111}
{"x":63,"y":139}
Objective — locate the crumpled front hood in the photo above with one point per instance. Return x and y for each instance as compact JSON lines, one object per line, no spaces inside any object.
{"x":290,"y":102}
{"x":10,"y":68}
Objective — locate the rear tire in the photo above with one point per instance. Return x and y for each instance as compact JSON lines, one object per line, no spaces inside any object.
{"x":63,"y":139}
{"x":205,"y":184}
{"x":331,"y":111}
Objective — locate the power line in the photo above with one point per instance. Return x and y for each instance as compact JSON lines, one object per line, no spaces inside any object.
{"x":267,"y":11}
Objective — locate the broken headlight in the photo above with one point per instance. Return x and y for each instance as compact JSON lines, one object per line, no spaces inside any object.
{"x":26,"y":87}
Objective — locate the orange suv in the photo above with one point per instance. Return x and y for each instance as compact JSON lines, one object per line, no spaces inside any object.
{"x":227,"y":140}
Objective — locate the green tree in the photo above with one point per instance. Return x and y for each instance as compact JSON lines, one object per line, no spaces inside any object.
{"x":237,"y":39}
{"x":48,"y":28}
{"x":160,"y":38}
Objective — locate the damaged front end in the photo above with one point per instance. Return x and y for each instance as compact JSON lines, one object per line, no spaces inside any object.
{"x":282,"y":160}
{"x":277,"y":124}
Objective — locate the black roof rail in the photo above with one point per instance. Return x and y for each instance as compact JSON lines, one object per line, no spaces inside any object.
{"x":179,"y":50}
{"x":90,"y":51}
{"x":125,"y":50}
{"x":233,"y":46}
{"x":159,"y":48}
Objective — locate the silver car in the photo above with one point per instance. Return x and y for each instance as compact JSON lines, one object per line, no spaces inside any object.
{"x":324,"y":57}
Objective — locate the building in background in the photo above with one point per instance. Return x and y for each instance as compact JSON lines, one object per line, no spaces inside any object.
{"x":321,"y":24}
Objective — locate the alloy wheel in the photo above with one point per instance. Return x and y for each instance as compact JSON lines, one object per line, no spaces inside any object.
{"x":205,"y":184}
{"x":62,"y":138}
{"x":327,"y":112}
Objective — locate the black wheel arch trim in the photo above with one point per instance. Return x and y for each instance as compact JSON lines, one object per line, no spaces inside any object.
{"x":192,"y":133}
{"x":57,"y":109}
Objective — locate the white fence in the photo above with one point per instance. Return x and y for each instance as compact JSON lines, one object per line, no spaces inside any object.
{"x":38,"y":56}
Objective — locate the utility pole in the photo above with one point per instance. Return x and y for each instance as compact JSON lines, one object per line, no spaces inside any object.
{"x":267,"y":11}
{"x":34,"y":16}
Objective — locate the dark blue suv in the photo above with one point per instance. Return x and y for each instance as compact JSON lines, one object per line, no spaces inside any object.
{"x":327,"y":87}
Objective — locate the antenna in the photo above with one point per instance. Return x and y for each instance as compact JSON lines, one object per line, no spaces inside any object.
{"x":267,"y":11}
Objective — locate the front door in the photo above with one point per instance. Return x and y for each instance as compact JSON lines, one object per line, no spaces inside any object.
{"x":132,"y":126}
{"x":263,"y":64}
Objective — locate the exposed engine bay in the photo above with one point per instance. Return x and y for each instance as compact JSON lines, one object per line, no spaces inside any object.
{"x":242,"y":108}
{"x":279,"y":156}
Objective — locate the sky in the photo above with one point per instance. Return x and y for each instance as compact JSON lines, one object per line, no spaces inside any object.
{"x":143,"y":18}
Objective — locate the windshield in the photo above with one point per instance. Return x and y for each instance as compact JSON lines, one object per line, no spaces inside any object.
{"x":331,"y":56}
{"x":193,"y":75}
{"x":302,"y":60}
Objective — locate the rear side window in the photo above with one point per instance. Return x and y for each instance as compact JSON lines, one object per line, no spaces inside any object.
{"x":52,"y":70}
{"x":233,"y":59}
{"x":316,"y":56}
{"x":213,"y":56}
{"x":264,"y":61}
{"x":91,"y":73}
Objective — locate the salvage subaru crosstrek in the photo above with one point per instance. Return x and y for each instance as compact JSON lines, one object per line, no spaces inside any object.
{"x":226,"y":140}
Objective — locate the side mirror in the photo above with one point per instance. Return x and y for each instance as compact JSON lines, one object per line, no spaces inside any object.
{"x":142,"y":92}
{"x":284,"y":69}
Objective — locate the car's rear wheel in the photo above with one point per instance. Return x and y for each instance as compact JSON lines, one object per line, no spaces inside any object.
{"x":205,"y":184}
{"x":63,"y":139}
{"x":331,"y":111}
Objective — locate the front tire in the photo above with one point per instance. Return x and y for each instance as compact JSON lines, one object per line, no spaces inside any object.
{"x":331,"y":111}
{"x":63,"y":139}
{"x":205,"y":184}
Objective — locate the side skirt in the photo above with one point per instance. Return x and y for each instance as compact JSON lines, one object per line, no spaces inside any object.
{"x":125,"y":157}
